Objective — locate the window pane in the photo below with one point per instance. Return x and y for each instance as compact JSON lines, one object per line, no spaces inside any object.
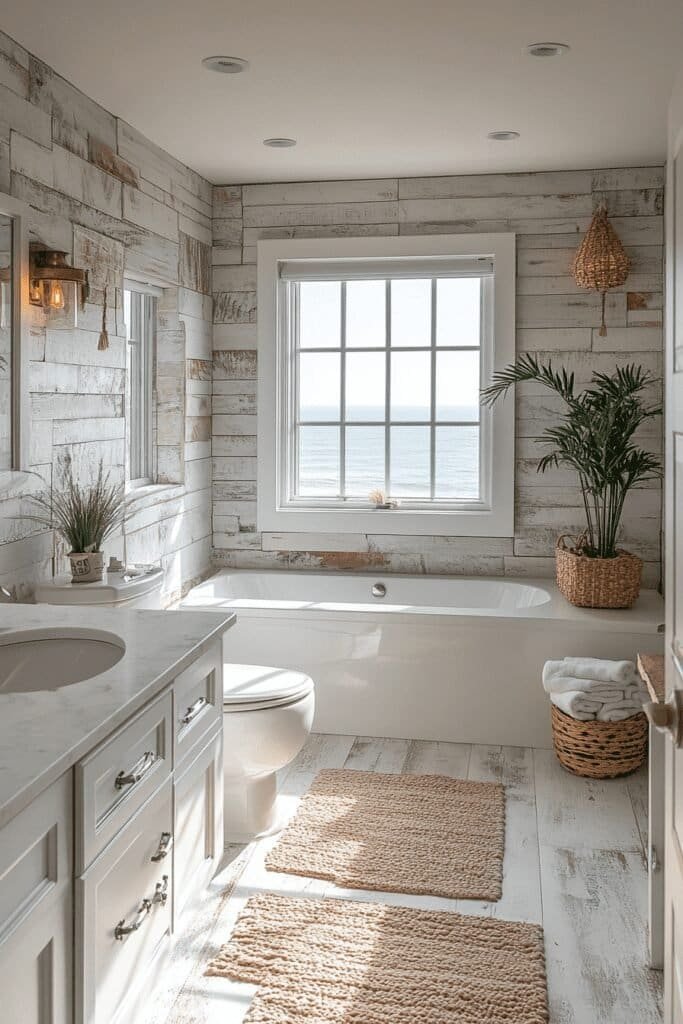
{"x":458,"y":311}
{"x":365,"y":387}
{"x":411,"y":382}
{"x":365,"y":314}
{"x":457,"y":386}
{"x":410,"y":459}
{"x":411,"y":312}
{"x":364,"y":461}
{"x":319,"y":314}
{"x":318,"y":461}
{"x":457,"y":462}
{"x":319,"y":385}
{"x":140,"y":311}
{"x":6,"y":276}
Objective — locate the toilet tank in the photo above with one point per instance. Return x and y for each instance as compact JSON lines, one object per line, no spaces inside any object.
{"x":116,"y":590}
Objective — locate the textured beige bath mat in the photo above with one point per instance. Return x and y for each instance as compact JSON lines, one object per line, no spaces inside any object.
{"x":336,"y":961}
{"x":424,"y":834}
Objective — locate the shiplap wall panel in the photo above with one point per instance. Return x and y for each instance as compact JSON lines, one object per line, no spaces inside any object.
{"x":116,"y":204}
{"x":549,"y":212}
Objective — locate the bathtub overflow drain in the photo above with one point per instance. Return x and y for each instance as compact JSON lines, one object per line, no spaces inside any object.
{"x":378,"y":590}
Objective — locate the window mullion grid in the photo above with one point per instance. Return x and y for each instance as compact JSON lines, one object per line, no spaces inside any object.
{"x":432,"y":396}
{"x":342,"y":396}
{"x":387,"y":390}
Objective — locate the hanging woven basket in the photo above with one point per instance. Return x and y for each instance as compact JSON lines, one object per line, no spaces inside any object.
{"x":600,"y":262}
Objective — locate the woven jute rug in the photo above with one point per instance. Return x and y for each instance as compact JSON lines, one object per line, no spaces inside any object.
{"x":336,"y":961}
{"x":424,"y":834}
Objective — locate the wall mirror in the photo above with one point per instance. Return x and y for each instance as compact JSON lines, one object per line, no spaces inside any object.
{"x":14,"y":397}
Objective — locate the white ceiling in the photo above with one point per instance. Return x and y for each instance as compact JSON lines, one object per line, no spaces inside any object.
{"x":371,"y":88}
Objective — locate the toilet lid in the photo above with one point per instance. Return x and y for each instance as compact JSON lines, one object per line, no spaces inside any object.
{"x":262,"y":686}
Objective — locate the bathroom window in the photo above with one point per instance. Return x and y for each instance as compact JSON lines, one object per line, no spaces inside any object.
{"x":372,"y":359}
{"x":140,"y":315}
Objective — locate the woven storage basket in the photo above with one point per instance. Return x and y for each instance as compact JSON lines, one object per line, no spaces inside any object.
{"x":597,"y":582}
{"x":599,"y":750}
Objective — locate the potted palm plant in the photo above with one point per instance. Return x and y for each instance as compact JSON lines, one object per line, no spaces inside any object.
{"x":85,"y":517}
{"x":595,"y":438}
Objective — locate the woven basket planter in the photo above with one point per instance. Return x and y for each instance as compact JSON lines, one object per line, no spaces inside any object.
{"x":597,"y":582}
{"x":599,"y":750}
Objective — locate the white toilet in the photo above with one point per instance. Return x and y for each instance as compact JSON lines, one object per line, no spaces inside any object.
{"x":267,"y":717}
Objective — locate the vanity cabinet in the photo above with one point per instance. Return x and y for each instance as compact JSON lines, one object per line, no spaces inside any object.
{"x":36,"y":897}
{"x":98,"y":871}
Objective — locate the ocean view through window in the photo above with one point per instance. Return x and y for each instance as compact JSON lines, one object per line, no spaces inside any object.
{"x":388,"y":378}
{"x":373,"y":368}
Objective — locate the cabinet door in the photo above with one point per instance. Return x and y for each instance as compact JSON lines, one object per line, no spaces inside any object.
{"x":36,"y":907}
{"x":123,"y":914}
{"x":198,"y":830}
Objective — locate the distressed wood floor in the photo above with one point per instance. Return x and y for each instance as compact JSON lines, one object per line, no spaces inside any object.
{"x":574,"y":861}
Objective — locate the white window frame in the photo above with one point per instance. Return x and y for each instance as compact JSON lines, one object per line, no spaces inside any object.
{"x":493,"y":514}
{"x":145,"y":427}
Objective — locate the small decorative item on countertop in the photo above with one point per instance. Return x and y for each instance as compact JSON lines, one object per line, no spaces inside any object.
{"x":600,"y":262}
{"x":594,"y":437}
{"x":85,"y":517}
{"x":599,"y":728}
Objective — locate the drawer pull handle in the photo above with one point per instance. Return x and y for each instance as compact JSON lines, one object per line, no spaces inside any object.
{"x":193,"y":710}
{"x":122,"y":929}
{"x":163,"y":847}
{"x":137,"y":772}
{"x":160,"y":896}
{"x":161,"y":891}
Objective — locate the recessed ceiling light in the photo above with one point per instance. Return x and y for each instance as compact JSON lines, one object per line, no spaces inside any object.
{"x":279,"y":143}
{"x":226,"y":65}
{"x":503,"y":136}
{"x":546,"y":49}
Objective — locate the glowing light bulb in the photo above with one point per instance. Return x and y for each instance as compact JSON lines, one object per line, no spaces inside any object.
{"x":56,"y":298}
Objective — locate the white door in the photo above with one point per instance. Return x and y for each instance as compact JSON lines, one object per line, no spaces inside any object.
{"x":673,"y":787}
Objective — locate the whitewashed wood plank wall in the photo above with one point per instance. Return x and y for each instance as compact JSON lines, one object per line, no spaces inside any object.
{"x":549,"y":212}
{"x":116,"y":204}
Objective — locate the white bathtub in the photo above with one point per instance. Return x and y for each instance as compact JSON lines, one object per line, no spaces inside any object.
{"x":435,"y":658}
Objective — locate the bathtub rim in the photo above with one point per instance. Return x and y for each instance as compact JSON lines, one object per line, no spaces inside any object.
{"x":647,"y":617}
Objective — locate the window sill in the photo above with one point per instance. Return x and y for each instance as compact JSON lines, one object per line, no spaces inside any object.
{"x":378,"y":522}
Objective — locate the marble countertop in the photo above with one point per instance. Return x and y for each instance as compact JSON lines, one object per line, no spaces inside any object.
{"x":44,"y":733}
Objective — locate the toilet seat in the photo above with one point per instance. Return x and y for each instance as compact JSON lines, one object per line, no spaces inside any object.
{"x":255,"y":687}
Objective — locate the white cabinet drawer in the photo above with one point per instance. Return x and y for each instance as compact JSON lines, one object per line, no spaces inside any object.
{"x":197,"y":700}
{"x":123,"y":914}
{"x":198,"y":817}
{"x":115,"y":780}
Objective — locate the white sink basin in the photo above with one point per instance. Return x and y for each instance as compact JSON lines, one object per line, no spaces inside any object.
{"x":47,"y":659}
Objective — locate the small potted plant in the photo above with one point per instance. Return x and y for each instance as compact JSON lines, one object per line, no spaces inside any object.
{"x":595,"y":438}
{"x":85,"y":517}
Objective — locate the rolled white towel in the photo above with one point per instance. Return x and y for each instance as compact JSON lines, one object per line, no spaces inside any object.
{"x":598,"y":690}
{"x":633,"y":703}
{"x":616,"y":714}
{"x":577,"y":705}
{"x":596,"y":669}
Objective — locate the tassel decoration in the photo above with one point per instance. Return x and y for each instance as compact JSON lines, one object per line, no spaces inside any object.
{"x":103,"y":343}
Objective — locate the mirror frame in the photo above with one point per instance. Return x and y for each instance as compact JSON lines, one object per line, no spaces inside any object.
{"x":20,"y":399}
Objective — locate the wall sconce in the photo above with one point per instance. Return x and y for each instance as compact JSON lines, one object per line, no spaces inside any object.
{"x":57,"y":287}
